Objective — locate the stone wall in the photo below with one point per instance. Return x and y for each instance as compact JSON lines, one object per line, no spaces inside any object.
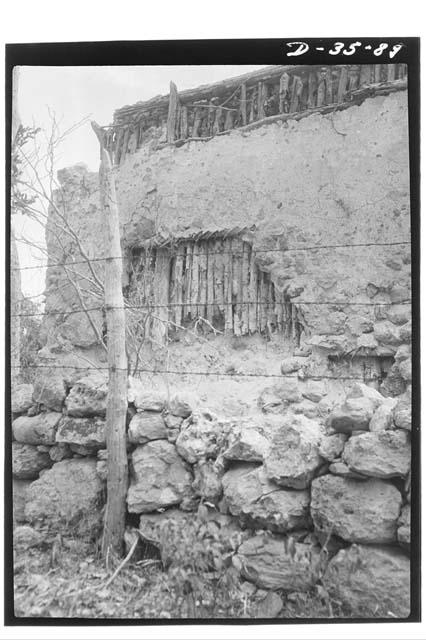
{"x":321,"y":500}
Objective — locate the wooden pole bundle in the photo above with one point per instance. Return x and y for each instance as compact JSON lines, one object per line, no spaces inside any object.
{"x":217,"y":280}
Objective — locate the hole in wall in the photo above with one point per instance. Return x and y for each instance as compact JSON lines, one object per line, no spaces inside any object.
{"x":214,"y":285}
{"x":368,"y":367}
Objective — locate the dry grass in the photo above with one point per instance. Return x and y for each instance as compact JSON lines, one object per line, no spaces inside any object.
{"x":72,"y":584}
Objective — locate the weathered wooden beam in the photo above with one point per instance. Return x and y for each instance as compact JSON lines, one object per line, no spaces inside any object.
{"x":243,"y":104}
{"x":184,"y":122}
{"x":283,"y":92}
{"x":116,"y":409}
{"x":343,"y":83}
{"x":377,"y":73}
{"x":252,"y":293}
{"x":391,"y":69}
{"x":229,"y":121}
{"x":172,"y":114}
{"x":296,"y":93}
{"x":204,"y":269}
{"x":253,"y":104}
{"x":328,"y":86}
{"x":260,"y":100}
{"x":220,"y":266}
{"x":217,"y":121}
{"x":197,"y":122}
{"x":228,"y":277}
{"x":125,"y":144}
{"x":365,"y":75}
{"x":353,"y":78}
{"x":312,"y":86}
{"x":245,"y":279}
{"x":178,"y":285}
{"x":210,"y":282}
{"x":321,"y":87}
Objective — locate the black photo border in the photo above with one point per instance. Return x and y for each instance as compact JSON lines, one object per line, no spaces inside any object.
{"x":224,"y":52}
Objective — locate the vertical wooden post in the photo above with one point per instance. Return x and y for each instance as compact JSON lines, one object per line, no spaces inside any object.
{"x":229,"y":120}
{"x":117,"y":479}
{"x":343,"y":82}
{"x":161,"y":295}
{"x":197,"y":121}
{"x":243,"y":104}
{"x":321,"y":87}
{"x":184,"y":122}
{"x":253,"y":293}
{"x":178,"y":286}
{"x":284,"y":82}
{"x":328,"y":86}
{"x":172,"y":115}
{"x":390,"y":68}
{"x":296,"y":93}
{"x":312,"y":83}
{"x":353,"y":77}
{"x":260,"y":100}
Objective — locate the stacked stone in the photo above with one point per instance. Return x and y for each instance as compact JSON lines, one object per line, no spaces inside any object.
{"x":320,"y":501}
{"x":57,"y":433}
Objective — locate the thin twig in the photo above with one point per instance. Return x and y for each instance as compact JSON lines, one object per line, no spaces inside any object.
{"x":123,"y":563}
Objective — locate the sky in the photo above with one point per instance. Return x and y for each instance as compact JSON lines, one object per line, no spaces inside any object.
{"x":73,"y":93}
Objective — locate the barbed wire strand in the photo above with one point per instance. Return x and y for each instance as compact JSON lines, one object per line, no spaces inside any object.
{"x":271,"y":305}
{"x":211,"y":253}
{"x":202,"y":373}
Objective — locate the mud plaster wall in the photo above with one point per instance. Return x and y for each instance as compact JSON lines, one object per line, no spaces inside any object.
{"x":341,"y":178}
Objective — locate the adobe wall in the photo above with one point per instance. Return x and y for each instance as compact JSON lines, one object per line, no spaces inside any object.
{"x":341,"y":178}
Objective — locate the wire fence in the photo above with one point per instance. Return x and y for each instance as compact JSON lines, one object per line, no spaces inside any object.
{"x":205,"y":373}
{"x":211,"y":253}
{"x":150,"y":306}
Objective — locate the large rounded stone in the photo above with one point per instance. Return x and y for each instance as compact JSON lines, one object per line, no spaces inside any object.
{"x":364,"y":512}
{"x":86,"y":432}
{"x":147,"y":426}
{"x":145,"y":399}
{"x":402,"y":411}
{"x":332,"y":446}
{"x":159,"y":478}
{"x":385,"y":454}
{"x":208,"y":480}
{"x":22,"y":397}
{"x":261,"y":504}
{"x":67,"y":497}
{"x":248,"y":442}
{"x":40,"y":429}
{"x":387,"y":333}
{"x":182,"y":404}
{"x":202,"y":436}
{"x":382,"y":419}
{"x":273,"y":562}
{"x":294,"y":455}
{"x":370,"y":581}
{"x":50,"y":390}
{"x":28,"y":461}
{"x":88,"y":397}
{"x":404,"y":527}
{"x":19,"y":498}
{"x":354,"y":414}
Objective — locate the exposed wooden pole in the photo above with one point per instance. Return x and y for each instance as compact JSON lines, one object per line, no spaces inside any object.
{"x":173,"y":113}
{"x":117,"y":479}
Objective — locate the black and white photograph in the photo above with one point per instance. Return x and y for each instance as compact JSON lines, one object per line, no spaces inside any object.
{"x":212,"y":295}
